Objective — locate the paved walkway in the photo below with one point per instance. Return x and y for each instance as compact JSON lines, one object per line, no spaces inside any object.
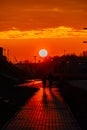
{"x":46,"y":110}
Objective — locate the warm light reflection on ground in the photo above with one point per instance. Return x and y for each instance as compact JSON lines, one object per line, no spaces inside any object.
{"x":32,"y":83}
{"x":45,"y":110}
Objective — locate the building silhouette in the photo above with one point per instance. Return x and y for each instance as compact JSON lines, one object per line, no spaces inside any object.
{"x":1,"y":52}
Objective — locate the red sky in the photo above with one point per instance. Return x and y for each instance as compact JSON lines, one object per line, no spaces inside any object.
{"x":28,"y":26}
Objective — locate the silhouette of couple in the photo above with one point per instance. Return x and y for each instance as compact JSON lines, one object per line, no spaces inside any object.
{"x":50,"y":80}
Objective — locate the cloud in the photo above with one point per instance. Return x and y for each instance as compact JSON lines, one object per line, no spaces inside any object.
{"x":43,"y":10}
{"x":59,"y":32}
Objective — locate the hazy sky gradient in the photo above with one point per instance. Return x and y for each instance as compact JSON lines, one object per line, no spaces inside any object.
{"x":21,"y":21}
{"x":34,"y":14}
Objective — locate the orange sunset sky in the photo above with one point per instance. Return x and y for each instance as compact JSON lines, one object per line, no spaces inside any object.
{"x":26,"y":26}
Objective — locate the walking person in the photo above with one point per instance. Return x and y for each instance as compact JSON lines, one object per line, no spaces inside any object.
{"x":44,"y":81}
{"x":50,"y":80}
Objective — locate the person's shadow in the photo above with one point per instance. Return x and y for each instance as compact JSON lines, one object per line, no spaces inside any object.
{"x":57,"y":100}
{"x":45,"y":99}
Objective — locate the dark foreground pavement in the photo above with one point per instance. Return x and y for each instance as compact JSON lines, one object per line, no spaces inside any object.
{"x":46,"y":110}
{"x":76,"y":97}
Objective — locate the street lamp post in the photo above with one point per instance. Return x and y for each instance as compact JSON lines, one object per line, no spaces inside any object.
{"x":35,"y":65}
{"x":35,"y":59}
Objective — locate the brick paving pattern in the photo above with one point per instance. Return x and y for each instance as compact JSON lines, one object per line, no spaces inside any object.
{"x":46,"y":110}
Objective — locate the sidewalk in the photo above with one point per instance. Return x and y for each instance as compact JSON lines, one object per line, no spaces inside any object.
{"x":82,"y":84}
{"x":46,"y":110}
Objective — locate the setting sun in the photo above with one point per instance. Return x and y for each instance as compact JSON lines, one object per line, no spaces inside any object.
{"x":43,"y":53}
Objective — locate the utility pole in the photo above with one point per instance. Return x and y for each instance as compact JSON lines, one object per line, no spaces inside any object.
{"x":35,"y":65}
{"x":35,"y":59}
{"x":64,"y":52}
